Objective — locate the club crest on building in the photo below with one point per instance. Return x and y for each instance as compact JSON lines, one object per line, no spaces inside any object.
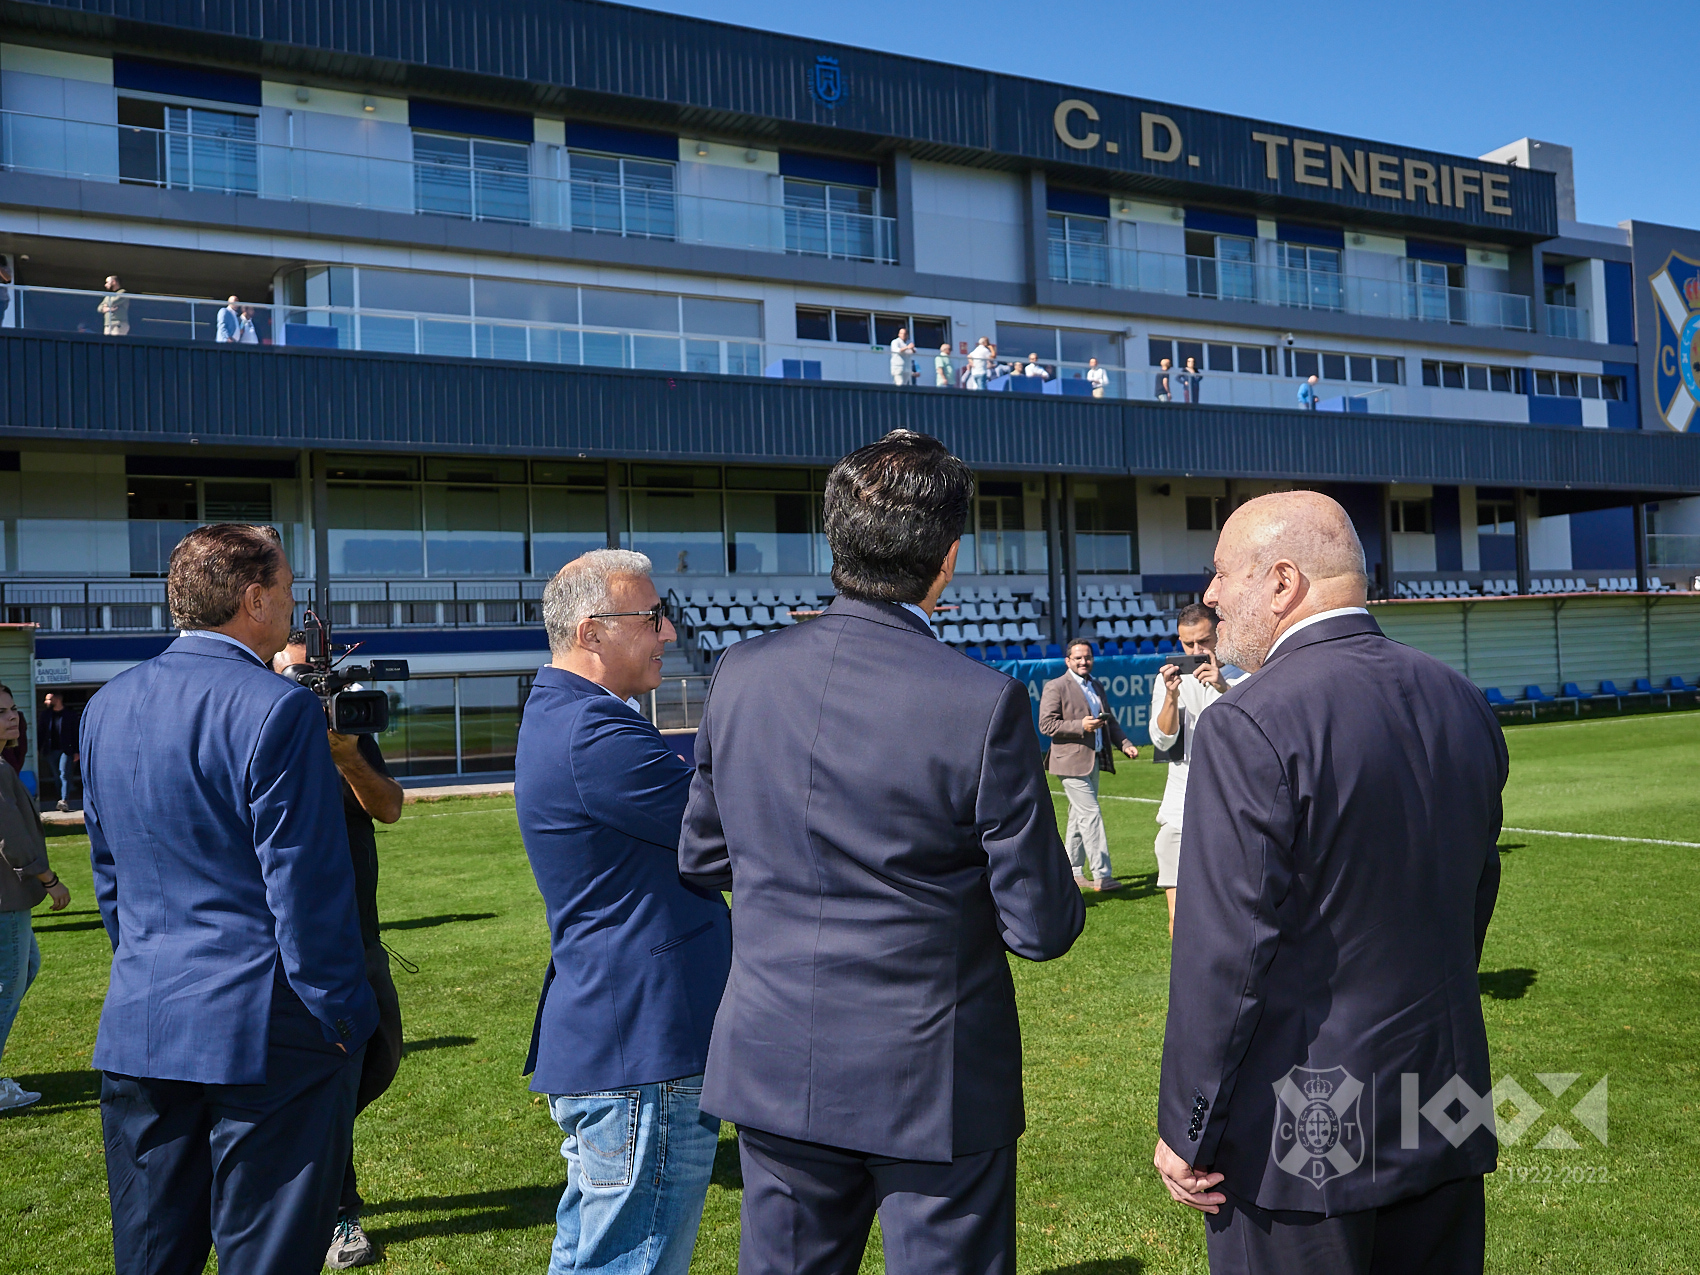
{"x":826,"y":80}
{"x":1318,"y":1135}
{"x":1676,"y":289}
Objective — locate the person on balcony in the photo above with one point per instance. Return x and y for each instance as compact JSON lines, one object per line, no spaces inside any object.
{"x":1308,"y":394}
{"x":229,"y":327}
{"x":941,"y":367}
{"x":1033,"y":368}
{"x":115,"y":309}
{"x":1191,"y":380}
{"x":1097,"y":377}
{"x":247,"y":333}
{"x":1165,"y":379}
{"x":901,"y":348}
{"x":980,"y":363}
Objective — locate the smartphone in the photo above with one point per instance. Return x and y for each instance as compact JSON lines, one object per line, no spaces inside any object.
{"x":1187,"y":663}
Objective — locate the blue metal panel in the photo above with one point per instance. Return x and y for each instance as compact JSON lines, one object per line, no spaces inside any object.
{"x":477,"y":121}
{"x":826,"y":168}
{"x":1451,"y":254}
{"x":186,"y":81}
{"x":1214,"y":222}
{"x":1545,"y":409}
{"x":1620,"y":303}
{"x":1316,"y":236}
{"x":72,"y":387}
{"x":1603,"y":539}
{"x":1083,"y":202}
{"x":622,"y":141}
{"x":1627,"y":413}
{"x":1553,"y":274}
{"x":1448,"y":530}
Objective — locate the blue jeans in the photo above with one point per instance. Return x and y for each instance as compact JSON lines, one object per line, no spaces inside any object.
{"x":20,"y":962}
{"x":638,"y":1164}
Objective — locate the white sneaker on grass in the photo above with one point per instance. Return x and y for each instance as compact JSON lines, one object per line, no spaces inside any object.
{"x":12,"y":1095}
{"x":350,"y":1246}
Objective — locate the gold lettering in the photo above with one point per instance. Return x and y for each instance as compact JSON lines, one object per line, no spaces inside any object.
{"x":1667,"y":360}
{"x":1496,"y":191}
{"x":1353,"y":172}
{"x":1419,"y":176}
{"x":1384,"y":176}
{"x":1148,"y":126}
{"x":1465,"y":181}
{"x":1060,"y":119}
{"x":1304,"y":160}
{"x":1271,"y":163}
{"x":1446,"y":185}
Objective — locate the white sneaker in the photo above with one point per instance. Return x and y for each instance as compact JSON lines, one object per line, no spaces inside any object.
{"x":12,"y":1094}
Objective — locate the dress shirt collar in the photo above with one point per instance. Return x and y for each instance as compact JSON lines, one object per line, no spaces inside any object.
{"x":216,"y":636}
{"x":925,"y":618}
{"x":1313,"y":619}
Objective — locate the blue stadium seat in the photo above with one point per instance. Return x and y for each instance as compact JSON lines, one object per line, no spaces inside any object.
{"x":1570,"y":691}
{"x":974,"y":653}
{"x":1609,"y":689}
{"x":1166,"y":646}
{"x":1053,"y":651}
{"x":1678,"y":685}
{"x":1147,"y":647}
{"x":994,"y":653}
{"x":1495,"y":698}
{"x":1642,"y":687}
{"x":1536,"y":695}
{"x":1035,"y":651}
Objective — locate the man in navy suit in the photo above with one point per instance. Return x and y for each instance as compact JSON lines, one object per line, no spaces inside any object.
{"x":876,"y":803}
{"x":638,"y":957}
{"x":1338,"y":872}
{"x":238,"y":1008}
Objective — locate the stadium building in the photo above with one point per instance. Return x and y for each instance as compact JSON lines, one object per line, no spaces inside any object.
{"x":520,"y":278}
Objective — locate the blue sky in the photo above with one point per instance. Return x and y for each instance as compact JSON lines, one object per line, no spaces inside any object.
{"x":1612,"y":81}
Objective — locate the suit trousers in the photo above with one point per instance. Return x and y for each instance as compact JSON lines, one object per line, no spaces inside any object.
{"x":808,"y":1209}
{"x":383,"y":1060}
{"x":1441,"y":1233}
{"x":251,"y":1170}
{"x":1084,"y":838}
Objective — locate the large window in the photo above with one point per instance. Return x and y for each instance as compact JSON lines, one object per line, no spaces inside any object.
{"x":473,"y":527}
{"x":1064,"y":353}
{"x":477,"y":178}
{"x":771,"y":516}
{"x":1221,"y":266}
{"x":1079,"y":248}
{"x":164,"y":510}
{"x":615,"y":195}
{"x":1333,"y":365}
{"x":187,"y":147}
{"x":864,"y":327}
{"x":1308,"y":277}
{"x":1434,"y":291}
{"x":827,"y":220}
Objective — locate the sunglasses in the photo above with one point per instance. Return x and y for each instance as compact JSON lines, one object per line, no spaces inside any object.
{"x":657,"y":613}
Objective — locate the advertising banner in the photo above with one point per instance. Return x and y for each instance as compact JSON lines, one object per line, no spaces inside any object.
{"x":1127,"y":678}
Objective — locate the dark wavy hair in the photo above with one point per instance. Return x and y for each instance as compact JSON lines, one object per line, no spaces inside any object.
{"x":893,"y":509}
{"x":212,"y":567}
{"x":1193,"y":612}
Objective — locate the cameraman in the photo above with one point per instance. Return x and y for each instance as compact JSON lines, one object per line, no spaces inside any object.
{"x":237,"y":1010}
{"x":368,"y":793}
{"x":1177,"y":699}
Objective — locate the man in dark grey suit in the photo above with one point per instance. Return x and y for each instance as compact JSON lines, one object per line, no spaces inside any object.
{"x":875,"y":802}
{"x":1326,"y":1095}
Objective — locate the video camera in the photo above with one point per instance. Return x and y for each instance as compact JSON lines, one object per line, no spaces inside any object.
{"x":349,"y":712}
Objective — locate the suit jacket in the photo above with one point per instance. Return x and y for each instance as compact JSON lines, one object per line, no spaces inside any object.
{"x":1338,"y":870}
{"x":1061,"y":706}
{"x":874,"y":801}
{"x":220,"y":865}
{"x":637,"y":957}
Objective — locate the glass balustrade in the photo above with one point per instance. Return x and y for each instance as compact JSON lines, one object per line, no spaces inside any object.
{"x":1172,"y":274}
{"x":472,"y":183}
{"x":1568,"y":321}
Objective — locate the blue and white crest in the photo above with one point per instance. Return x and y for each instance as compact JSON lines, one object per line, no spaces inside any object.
{"x":1318,"y":1134}
{"x":1676,"y":288}
{"x":826,"y":81}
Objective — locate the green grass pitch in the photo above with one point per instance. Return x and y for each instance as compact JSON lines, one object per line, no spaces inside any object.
{"x":1592,"y":967}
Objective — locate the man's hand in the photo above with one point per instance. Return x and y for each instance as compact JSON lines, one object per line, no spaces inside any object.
{"x":1130,"y":749}
{"x":1171,"y":676}
{"x":1211,"y":674}
{"x":1088,"y":725}
{"x":345,"y":749}
{"x":1189,"y":1185}
{"x":60,"y":895}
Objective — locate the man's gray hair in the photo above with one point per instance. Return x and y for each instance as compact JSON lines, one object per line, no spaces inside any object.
{"x":583,"y":588}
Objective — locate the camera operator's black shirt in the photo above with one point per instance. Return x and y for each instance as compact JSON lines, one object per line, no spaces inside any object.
{"x":363,"y":845}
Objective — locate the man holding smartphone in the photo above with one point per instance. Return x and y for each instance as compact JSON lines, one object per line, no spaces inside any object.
{"x":1074,"y":713}
{"x":1187,"y":685}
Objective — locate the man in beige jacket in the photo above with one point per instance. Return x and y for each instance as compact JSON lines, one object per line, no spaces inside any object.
{"x":1074,"y":712}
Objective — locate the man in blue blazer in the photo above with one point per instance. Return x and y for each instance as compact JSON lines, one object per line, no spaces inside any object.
{"x":638,"y":957}
{"x":876,"y":803}
{"x":1338,"y":872}
{"x":238,"y":1007}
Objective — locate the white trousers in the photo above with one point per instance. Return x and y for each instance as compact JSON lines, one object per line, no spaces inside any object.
{"x":1084,"y":838}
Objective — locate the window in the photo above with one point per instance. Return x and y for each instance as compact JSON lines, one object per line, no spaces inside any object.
{"x":853,"y":328}
{"x":1412,"y":516}
{"x":1219,"y":358}
{"x":1475,"y":378}
{"x":1193,"y":350}
{"x":813,"y":325}
{"x":187,"y":147}
{"x":614,"y":195}
{"x":1308,"y":277}
{"x":1611,"y":387}
{"x":1221,"y":266}
{"x":1546,"y":383}
{"x":1431,"y":288}
{"x":826,"y":220}
{"x":1207,"y":513}
{"x":1361,"y":367}
{"x":1457,"y":376}
{"x":1254,"y":359}
{"x":859,"y":327}
{"x":1333,"y":367}
{"x":1495,"y":518}
{"x":1389,"y":371}
{"x":1079,"y":248}
{"x":1160,"y":349}
{"x":475,"y":178}
{"x":1567,"y":387}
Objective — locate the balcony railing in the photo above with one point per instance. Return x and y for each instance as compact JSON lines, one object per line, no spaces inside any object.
{"x":175,"y":160}
{"x":1135,"y":270}
{"x":1568,"y":321}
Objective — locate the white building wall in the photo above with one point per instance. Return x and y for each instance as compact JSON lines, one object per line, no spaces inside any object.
{"x":1549,"y":544}
{"x":1472,"y":550}
{"x":969,"y":223}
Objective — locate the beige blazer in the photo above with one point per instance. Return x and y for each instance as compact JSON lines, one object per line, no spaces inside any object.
{"x":1061,"y":706}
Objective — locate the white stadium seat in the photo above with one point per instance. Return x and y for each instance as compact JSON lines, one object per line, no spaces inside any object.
{"x":738,"y":616}
{"x":699,"y":599}
{"x":723,"y":597}
{"x":1030,"y":632}
{"x":971,"y":634}
{"x":761,"y":617}
{"x":1104,"y":630}
{"x":1026,"y":611}
{"x":715,"y":617}
{"x":953,"y":634}
{"x":1121,"y":630}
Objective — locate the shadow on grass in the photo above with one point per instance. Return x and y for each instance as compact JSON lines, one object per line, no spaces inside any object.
{"x":51,"y":830}
{"x":1507,"y":985}
{"x":1505,"y":847}
{"x":431,"y":922}
{"x":1103,"y":1266}
{"x":63,"y":1091}
{"x":728,"y":1169}
{"x":65,"y":927}
{"x":514,"y":1209}
{"x":1140,"y":886}
{"x":438,"y":1042}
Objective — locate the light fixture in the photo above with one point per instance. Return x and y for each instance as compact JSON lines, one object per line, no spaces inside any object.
{"x":751,"y":156}
{"x":1177,"y":214}
{"x":702,"y":148}
{"x":1486,"y":257}
{"x":301,"y":94}
{"x":368,"y":104}
{"x":1357,"y":239}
